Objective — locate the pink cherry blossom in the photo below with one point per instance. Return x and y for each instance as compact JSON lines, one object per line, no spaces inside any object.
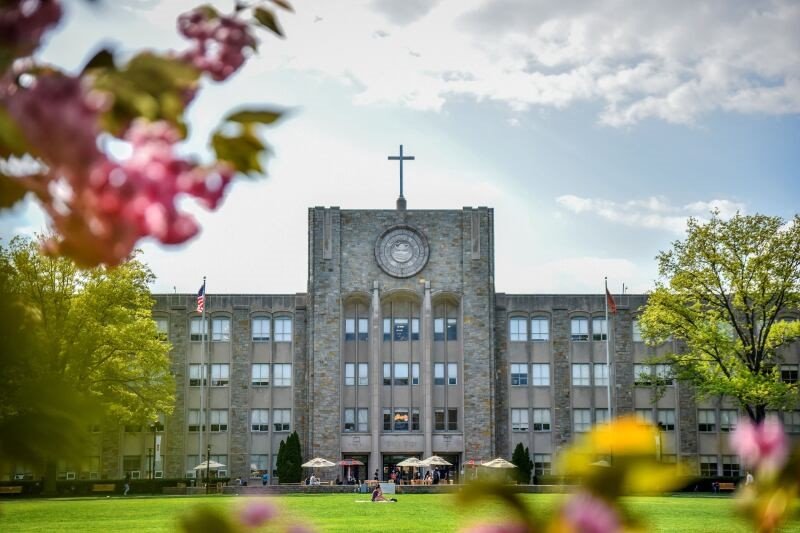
{"x":23,"y":23}
{"x":588,"y":514}
{"x":257,"y":513}
{"x":762,"y":445}
{"x":219,"y":42}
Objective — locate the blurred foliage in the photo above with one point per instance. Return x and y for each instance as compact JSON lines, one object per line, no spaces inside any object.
{"x":78,"y":347}
{"x":724,"y":294}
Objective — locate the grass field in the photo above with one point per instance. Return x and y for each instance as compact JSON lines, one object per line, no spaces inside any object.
{"x":341,"y":512}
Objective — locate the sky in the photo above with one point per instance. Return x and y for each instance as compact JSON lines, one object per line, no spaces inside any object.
{"x":594,"y":129}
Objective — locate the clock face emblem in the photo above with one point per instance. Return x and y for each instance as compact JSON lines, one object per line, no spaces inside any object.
{"x":402,"y":251}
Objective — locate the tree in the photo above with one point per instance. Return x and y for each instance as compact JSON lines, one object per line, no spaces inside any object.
{"x":725,"y":294}
{"x":289,"y":460}
{"x":522,"y":459}
{"x":79,"y":346}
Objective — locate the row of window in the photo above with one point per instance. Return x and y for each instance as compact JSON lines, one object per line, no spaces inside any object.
{"x":398,"y":374}
{"x":259,"y":420}
{"x":260,"y":374}
{"x":582,"y":419}
{"x":586,"y":374}
{"x":400,"y":419}
{"x":709,"y":466}
{"x":220,"y":327}
{"x":401,"y":329}
{"x":540,"y":329}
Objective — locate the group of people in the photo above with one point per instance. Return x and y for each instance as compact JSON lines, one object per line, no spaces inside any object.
{"x":404,"y":478}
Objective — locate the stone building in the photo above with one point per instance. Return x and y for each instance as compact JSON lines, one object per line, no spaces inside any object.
{"x":400,"y":347}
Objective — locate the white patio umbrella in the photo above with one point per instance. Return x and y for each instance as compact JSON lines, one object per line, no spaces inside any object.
{"x":318,"y":462}
{"x":211,"y":465}
{"x":499,"y":463}
{"x":412,"y":462}
{"x":435,"y":460}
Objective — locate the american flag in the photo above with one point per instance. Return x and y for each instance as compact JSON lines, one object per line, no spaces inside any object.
{"x":201,"y":298}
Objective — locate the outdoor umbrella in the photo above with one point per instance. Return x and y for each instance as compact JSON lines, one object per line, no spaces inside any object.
{"x":411,"y":462}
{"x":435,"y":460}
{"x":472,"y":463}
{"x":211,"y":465}
{"x":318,"y":462}
{"x":499,"y":463}
{"x":348,"y":463}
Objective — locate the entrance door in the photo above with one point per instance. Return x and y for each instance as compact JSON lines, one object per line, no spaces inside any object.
{"x":452,"y":472}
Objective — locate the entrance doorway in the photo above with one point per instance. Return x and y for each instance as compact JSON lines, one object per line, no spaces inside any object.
{"x":390,"y":466}
{"x":450,"y":472}
{"x":357,"y":472}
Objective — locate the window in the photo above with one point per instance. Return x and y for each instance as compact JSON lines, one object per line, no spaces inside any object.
{"x":220,"y":375}
{"x":401,"y":376}
{"x":387,"y":329}
{"x":664,"y":375}
{"x":387,"y":419}
{"x":438,"y":329}
{"x":131,"y":463}
{"x":600,"y":375}
{"x":666,"y":419}
{"x":706,"y":420}
{"x":730,"y":466}
{"x":260,"y":331}
{"x":197,"y":375}
{"x":580,"y":374}
{"x":355,"y":420}
{"x":281,"y":419}
{"x":642,"y":375}
{"x":259,"y":462}
{"x":387,"y":373}
{"x":791,"y":421}
{"x":192,"y":461}
{"x":541,"y":374}
{"x":414,"y":419}
{"x":219,"y":420}
{"x":401,"y":419}
{"x":401,"y":329}
{"x":519,"y":420}
{"x":644,"y":415}
{"x":196,"y":332}
{"x":452,"y":419}
{"x":452,"y":329}
{"x":363,"y":374}
{"x":350,"y":376}
{"x":415,"y":329}
{"x":350,"y":330}
{"x":259,"y":420}
{"x":193,"y":421}
{"x":541,"y":464}
{"x":518,"y":330}
{"x":580,"y":329}
{"x":728,"y":419}
{"x":162,"y":327}
{"x":600,"y":415}
{"x":221,"y":329}
{"x":282,"y":373}
{"x":438,"y":373}
{"x":519,"y":375}
{"x":540,"y":329}
{"x":415,"y":373}
{"x":452,"y":373}
{"x":363,"y":329}
{"x":260,"y":374}
{"x":438,"y":419}
{"x":637,"y":331}
{"x":708,"y":465}
{"x":789,"y":373}
{"x":283,"y":329}
{"x":541,"y":419}
{"x":582,"y":420}
{"x":599,"y":329}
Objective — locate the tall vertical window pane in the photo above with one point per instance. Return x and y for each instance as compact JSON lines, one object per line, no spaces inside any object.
{"x":438,"y":329}
{"x":540,"y":329}
{"x":363,"y":329}
{"x":415,"y":373}
{"x":261,"y":329}
{"x":541,"y":374}
{"x":387,"y":329}
{"x":283,"y":329}
{"x":282,"y":375}
{"x":519,"y":374}
{"x":518,"y":330}
{"x":401,"y":331}
{"x":221,"y":329}
{"x":259,"y":420}
{"x":363,"y":420}
{"x":387,"y":373}
{"x":363,"y":374}
{"x":401,"y":374}
{"x":350,"y":375}
{"x":637,"y":331}
{"x":579,"y":329}
{"x":582,"y":419}
{"x":260,"y":374}
{"x":196,"y":330}
{"x":519,"y":420}
{"x":401,"y":419}
{"x":452,"y":419}
{"x":541,"y":419}
{"x":452,"y":374}
{"x":415,"y":329}
{"x":452,"y":329}
{"x":350,"y":330}
{"x":580,"y":374}
{"x":438,"y":373}
{"x":599,"y":329}
{"x":600,"y":375}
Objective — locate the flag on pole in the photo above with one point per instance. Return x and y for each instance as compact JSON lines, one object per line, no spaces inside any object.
{"x":201,"y":298}
{"x":612,"y":305}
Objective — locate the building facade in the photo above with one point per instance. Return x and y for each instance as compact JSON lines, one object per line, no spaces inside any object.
{"x":400,"y":347}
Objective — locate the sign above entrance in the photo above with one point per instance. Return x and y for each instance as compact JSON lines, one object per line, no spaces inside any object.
{"x":402,"y":251}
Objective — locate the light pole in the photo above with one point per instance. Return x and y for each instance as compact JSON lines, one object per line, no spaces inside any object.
{"x":150,"y":462}
{"x":208,"y":465}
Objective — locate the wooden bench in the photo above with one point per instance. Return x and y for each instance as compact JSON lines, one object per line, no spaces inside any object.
{"x":15,"y":489}
{"x":727,"y":486}
{"x":104,"y":487}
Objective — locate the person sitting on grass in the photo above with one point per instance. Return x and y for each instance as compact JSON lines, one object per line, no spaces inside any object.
{"x":377,"y":495}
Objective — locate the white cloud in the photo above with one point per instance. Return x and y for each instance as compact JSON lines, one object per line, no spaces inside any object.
{"x":651,"y":213}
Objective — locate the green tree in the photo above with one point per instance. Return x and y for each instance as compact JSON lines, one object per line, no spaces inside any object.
{"x":522,"y":459}
{"x":724,"y":293}
{"x":280,"y":462}
{"x":78,"y":347}
{"x":289,"y":460}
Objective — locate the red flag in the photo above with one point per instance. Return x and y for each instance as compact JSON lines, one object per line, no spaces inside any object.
{"x":612,"y":305}
{"x":201,"y":298}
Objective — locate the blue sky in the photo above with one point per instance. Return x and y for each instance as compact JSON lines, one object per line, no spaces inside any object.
{"x":593,"y":128}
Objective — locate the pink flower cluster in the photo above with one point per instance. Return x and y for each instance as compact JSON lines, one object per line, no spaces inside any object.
{"x":220,"y":42}
{"x":23,"y":22}
{"x":589,"y":514}
{"x":763,"y":445}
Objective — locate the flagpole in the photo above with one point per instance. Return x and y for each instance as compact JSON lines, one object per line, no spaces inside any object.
{"x":608,"y":351}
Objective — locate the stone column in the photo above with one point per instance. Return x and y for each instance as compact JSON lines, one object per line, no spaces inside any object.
{"x":376,"y":382}
{"x":426,"y":376}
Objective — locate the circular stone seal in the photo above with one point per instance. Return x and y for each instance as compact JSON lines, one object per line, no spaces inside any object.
{"x":402,"y":251}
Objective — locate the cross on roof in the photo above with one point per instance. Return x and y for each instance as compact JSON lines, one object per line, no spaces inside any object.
{"x":401,"y":158}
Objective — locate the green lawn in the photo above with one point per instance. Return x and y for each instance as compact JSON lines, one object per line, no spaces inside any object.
{"x":342,"y":512}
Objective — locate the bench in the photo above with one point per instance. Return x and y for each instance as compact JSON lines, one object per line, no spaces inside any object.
{"x":15,"y":489}
{"x":727,"y":486}
{"x":104,"y":487}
